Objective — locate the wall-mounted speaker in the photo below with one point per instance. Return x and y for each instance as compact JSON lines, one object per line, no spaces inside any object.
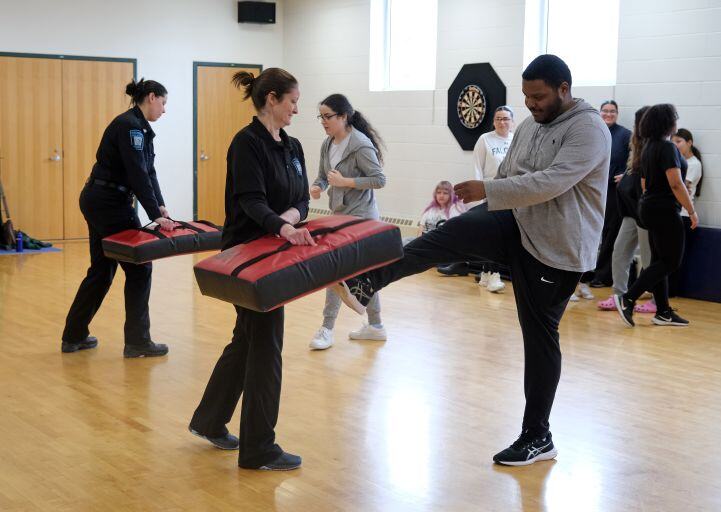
{"x":256,"y":12}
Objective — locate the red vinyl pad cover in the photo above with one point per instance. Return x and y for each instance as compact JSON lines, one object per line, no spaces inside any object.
{"x":298,"y":270}
{"x":147,"y":244}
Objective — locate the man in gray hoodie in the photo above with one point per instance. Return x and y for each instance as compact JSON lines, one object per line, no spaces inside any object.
{"x":543,"y":219}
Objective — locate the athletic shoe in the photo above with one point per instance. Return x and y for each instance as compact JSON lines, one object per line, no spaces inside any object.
{"x":585,"y":291}
{"x":322,"y":339}
{"x":669,"y":317}
{"x":573,"y":298}
{"x":646,"y":307}
{"x":284,"y":462}
{"x":454,"y":269}
{"x":89,"y":342}
{"x":149,"y":349}
{"x":485,"y":276}
{"x":625,"y":309}
{"x":606,"y":305}
{"x":495,"y":284}
{"x":369,"y":332}
{"x":527,"y":450}
{"x":355,"y":293}
{"x":226,"y":442}
{"x":598,"y":284}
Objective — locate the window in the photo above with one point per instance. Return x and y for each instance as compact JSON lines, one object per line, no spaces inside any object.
{"x":584,"y":33}
{"x":403,"y":45}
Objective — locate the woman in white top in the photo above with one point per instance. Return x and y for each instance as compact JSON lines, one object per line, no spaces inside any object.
{"x":489,"y":152}
{"x":683,"y":139}
{"x":445,"y":205}
{"x":694,"y":175}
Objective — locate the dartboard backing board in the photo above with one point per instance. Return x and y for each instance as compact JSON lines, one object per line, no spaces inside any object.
{"x":473,"y":97}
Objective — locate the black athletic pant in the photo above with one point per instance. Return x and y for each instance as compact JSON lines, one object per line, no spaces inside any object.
{"x":666,"y":238}
{"x":541,"y":292}
{"x":250,"y":365}
{"x":675,"y":284}
{"x":611,"y":226}
{"x":109,"y":211}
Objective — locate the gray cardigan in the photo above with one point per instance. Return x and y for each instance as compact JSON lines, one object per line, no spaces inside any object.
{"x":554,"y":178}
{"x":360,"y":162}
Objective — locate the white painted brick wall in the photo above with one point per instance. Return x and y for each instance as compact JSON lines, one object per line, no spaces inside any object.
{"x":669,"y":51}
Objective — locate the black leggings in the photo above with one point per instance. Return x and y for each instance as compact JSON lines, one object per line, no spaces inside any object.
{"x":666,"y":237}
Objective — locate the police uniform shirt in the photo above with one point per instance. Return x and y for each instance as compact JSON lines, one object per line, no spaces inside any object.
{"x":265,"y":178}
{"x":126,"y":157}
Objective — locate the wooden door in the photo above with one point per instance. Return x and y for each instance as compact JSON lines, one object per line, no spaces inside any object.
{"x":31,"y":144}
{"x":221,"y":114}
{"x":93,"y":95}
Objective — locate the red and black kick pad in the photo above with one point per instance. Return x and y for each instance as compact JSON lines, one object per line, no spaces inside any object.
{"x":147,"y":244}
{"x":269,"y":272}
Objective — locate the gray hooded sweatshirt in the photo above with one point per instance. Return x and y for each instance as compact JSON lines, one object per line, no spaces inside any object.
{"x":554,"y":178}
{"x":360,"y":162}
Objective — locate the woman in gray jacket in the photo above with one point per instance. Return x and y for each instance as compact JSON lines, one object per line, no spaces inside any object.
{"x":350,"y":168}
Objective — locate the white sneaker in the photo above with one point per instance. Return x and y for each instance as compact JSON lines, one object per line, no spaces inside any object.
{"x":322,"y":340}
{"x":369,"y":332}
{"x":484,"y":279}
{"x":573,"y":298}
{"x":495,"y":284}
{"x":585,"y":291}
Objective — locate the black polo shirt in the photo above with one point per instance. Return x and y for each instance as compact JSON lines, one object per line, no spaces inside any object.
{"x":126,"y":157}
{"x":265,"y":178}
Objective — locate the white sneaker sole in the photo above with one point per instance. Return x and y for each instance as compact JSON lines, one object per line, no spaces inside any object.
{"x":347,"y":297}
{"x":496,"y":289}
{"x":543,"y":456}
{"x":671,"y":324}
{"x":372,"y":337}
{"x":319,"y":346}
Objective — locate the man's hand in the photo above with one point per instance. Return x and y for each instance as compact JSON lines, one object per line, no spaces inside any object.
{"x":470,"y":191}
{"x":336,"y":179}
{"x":315,"y":192}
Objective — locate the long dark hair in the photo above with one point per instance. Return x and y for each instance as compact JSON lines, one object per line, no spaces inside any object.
{"x":272,"y":80}
{"x":637,"y":143}
{"x":340,"y":105}
{"x":657,"y":123}
{"x":688,"y":137}
{"x":138,"y":91}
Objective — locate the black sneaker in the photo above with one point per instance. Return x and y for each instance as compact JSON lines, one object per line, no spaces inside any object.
{"x":226,"y":442}
{"x":355,"y":293}
{"x":669,"y":318}
{"x":89,"y":342}
{"x":149,"y":349}
{"x":625,"y":309}
{"x":284,"y":462}
{"x":454,"y":269}
{"x":527,"y":450}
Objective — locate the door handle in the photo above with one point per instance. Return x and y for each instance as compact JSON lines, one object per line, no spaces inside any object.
{"x":203,"y":156}
{"x":55,"y":157}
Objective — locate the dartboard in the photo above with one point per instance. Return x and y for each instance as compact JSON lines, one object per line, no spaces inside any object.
{"x":471,"y":106}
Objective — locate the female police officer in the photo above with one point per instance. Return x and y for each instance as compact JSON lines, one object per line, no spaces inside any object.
{"x":266,"y":191}
{"x":124,"y":168}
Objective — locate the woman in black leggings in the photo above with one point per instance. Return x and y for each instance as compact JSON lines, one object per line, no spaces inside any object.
{"x":663,"y":171}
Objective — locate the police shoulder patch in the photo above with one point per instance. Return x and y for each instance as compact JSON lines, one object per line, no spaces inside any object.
{"x":136,"y":139}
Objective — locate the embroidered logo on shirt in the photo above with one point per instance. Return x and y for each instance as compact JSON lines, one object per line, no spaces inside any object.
{"x":136,"y":139}
{"x":298,"y":167}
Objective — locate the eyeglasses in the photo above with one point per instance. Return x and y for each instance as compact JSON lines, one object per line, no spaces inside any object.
{"x":327,"y":117}
{"x":609,"y":111}
{"x":503,"y":119}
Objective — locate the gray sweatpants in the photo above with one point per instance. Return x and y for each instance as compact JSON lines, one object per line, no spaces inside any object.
{"x":629,"y":237}
{"x":332,"y":306}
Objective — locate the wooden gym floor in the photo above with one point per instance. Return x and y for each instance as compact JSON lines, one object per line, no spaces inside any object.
{"x":406,"y":425}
